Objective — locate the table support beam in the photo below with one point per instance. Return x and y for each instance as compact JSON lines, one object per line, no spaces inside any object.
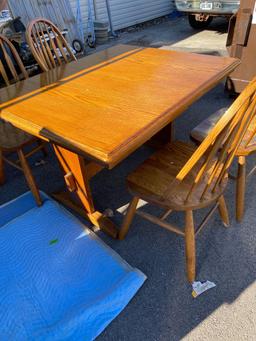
{"x":77,"y":173}
{"x":163,"y":137}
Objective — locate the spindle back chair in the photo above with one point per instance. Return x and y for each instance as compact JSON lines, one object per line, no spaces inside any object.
{"x":13,"y":140}
{"x":220,"y":146}
{"x":246,"y":147}
{"x":182,"y":177}
{"x":48,"y":45}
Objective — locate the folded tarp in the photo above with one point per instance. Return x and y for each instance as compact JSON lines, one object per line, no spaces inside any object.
{"x":58,"y":280}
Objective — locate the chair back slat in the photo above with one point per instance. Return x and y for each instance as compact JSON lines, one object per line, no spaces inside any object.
{"x":11,"y":66}
{"x":50,"y":55}
{"x":52,"y":44}
{"x":206,"y":166}
{"x":242,"y":130}
{"x":59,"y":44}
{"x":42,"y":45}
{"x":9,"y":62}
{"x":249,"y":140}
{"x":209,"y":164}
{"x":48,"y":45}
{"x":36,"y":44}
{"x":4,"y":74}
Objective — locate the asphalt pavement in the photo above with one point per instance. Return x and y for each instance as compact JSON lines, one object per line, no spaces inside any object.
{"x":163,"y":309}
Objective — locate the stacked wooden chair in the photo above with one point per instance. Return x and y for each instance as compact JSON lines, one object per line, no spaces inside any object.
{"x":13,"y":140}
{"x":246,"y":148}
{"x":181,"y":177}
{"x":50,"y":50}
{"x":49,"y":47}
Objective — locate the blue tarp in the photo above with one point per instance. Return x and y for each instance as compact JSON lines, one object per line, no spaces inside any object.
{"x":58,"y":280}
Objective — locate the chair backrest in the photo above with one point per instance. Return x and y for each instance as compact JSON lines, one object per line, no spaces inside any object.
{"x":49,"y":47}
{"x":209,"y":164}
{"x":11,"y":66}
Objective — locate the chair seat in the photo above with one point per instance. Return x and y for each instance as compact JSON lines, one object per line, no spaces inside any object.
{"x":11,"y":137}
{"x":203,"y":129}
{"x":150,"y":180}
{"x":200,"y":132}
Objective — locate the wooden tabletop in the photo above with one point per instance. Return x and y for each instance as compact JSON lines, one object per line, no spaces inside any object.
{"x":108,"y":104}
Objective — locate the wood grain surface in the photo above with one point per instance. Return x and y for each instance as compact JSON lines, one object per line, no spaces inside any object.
{"x":106,"y":105}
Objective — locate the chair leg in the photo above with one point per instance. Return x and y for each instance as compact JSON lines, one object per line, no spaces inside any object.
{"x":223,"y":210}
{"x":2,"y":177}
{"x":128,"y":218}
{"x":240,"y":188}
{"x":190,"y":246}
{"x":29,"y":177}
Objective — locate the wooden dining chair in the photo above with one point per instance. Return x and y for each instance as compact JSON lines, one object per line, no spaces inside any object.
{"x":48,"y":46}
{"x":12,"y":139}
{"x":246,"y":148}
{"x":182,"y":177}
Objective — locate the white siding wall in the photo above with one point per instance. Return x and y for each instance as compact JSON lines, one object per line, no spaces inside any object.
{"x":127,"y":12}
{"x":84,"y":10}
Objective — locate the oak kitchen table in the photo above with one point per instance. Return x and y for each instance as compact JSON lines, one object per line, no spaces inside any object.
{"x":98,"y":110}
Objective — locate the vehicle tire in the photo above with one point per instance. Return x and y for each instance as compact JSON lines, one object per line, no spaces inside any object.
{"x":198,"y":25}
{"x":77,"y":46}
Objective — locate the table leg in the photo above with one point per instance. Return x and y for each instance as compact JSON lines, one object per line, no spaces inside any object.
{"x":172,"y":131}
{"x":77,"y":176}
{"x":164,"y":136}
